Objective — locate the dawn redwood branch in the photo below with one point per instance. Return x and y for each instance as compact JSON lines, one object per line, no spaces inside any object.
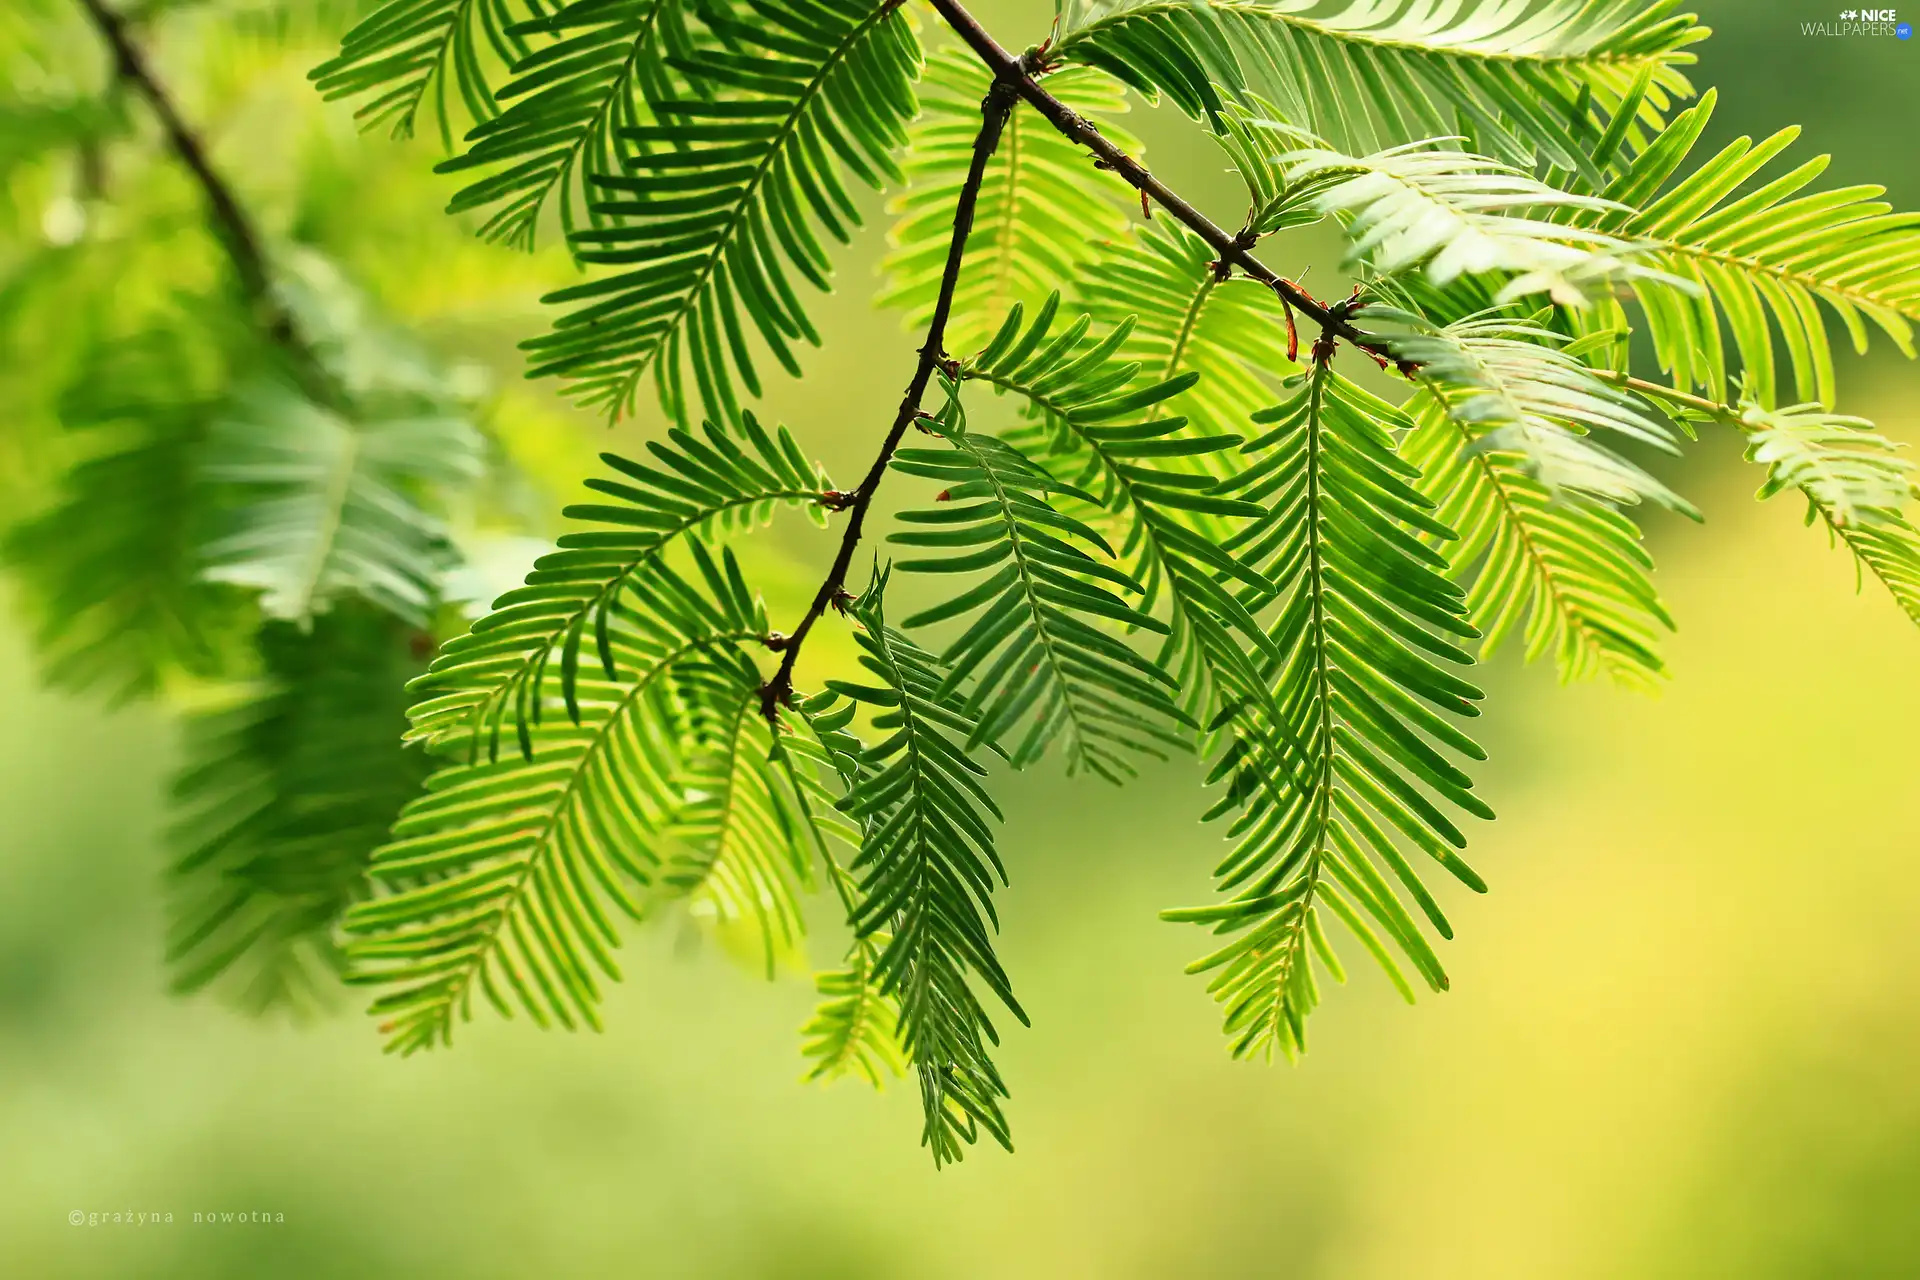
{"x":1236,"y":250}
{"x":231,"y":225}
{"x":994,"y":110}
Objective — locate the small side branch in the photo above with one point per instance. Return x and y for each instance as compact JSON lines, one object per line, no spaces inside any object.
{"x":229,"y":220}
{"x":1726,"y":413}
{"x":994,"y":110}
{"x":1232,"y":249}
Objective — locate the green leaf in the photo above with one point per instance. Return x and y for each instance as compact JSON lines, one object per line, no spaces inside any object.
{"x":1185,"y":319}
{"x":1756,"y":266}
{"x":112,"y":567}
{"x":564,"y":110}
{"x":1367,"y":634}
{"x":1043,"y":666}
{"x":852,"y":1032}
{"x":721,"y":202}
{"x":1526,"y":81}
{"x":1151,"y":478}
{"x":1458,"y":214}
{"x":743,"y":837}
{"x":1510,"y":447}
{"x":316,"y":500}
{"x":700,"y":486}
{"x":855,"y":1028}
{"x":926,"y":869}
{"x":498,"y":880}
{"x":315,"y":504}
{"x":1565,"y":570}
{"x":1852,"y":482}
{"x":284,"y":797}
{"x":1509,"y":387}
{"x":436,"y":54}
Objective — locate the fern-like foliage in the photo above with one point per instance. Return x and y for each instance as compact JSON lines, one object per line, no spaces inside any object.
{"x":284,"y":797}
{"x":1508,"y":446}
{"x":926,"y":867}
{"x":1100,"y":425}
{"x":1458,"y":214}
{"x":1118,"y":574}
{"x":700,"y":147}
{"x":435,"y":55}
{"x":315,"y":504}
{"x":567,"y":112}
{"x":500,"y":676}
{"x":1512,"y":385}
{"x":1853,"y":483}
{"x":498,"y":880}
{"x":717,"y":209}
{"x":855,"y":1030}
{"x":1756,"y":266}
{"x":1367,"y":640}
{"x":113,"y":566}
{"x":1527,"y":80}
{"x":1039,"y":221}
{"x":1186,"y":320}
{"x":743,"y":838}
{"x":1034,"y":648}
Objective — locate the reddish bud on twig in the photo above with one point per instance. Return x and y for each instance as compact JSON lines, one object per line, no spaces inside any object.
{"x":1324,"y":346}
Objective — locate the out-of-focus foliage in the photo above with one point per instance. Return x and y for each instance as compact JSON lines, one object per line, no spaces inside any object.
{"x":239,"y":481}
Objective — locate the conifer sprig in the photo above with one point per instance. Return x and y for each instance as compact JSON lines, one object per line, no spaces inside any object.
{"x":1196,"y":531}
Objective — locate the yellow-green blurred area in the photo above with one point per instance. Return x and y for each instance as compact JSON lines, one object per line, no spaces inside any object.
{"x":1681,"y":1040}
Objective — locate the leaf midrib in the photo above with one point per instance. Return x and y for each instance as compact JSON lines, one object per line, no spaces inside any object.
{"x":536,"y":648}
{"x":1295,"y":939}
{"x":511,"y":901}
{"x":1517,"y":520}
{"x":1803,"y":278}
{"x":1077,"y":741}
{"x":334,"y":497}
{"x":1150,"y":534}
{"x":642,"y":38}
{"x":777,"y":145}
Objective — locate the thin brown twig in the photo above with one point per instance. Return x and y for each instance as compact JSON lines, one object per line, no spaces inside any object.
{"x":1018,"y":72}
{"x":231,"y":226}
{"x":994,"y":110}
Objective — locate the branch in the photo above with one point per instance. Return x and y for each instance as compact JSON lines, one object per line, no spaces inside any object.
{"x":1726,"y":413}
{"x":230,"y":224}
{"x":994,"y":110}
{"x":1233,"y":249}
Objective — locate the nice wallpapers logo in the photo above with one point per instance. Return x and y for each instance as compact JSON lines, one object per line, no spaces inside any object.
{"x":1862,"y":22}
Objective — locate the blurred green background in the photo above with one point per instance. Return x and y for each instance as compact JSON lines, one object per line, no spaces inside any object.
{"x":1681,"y":1040}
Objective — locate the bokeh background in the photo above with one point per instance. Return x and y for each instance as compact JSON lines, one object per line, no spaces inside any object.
{"x":1681,"y":1041}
